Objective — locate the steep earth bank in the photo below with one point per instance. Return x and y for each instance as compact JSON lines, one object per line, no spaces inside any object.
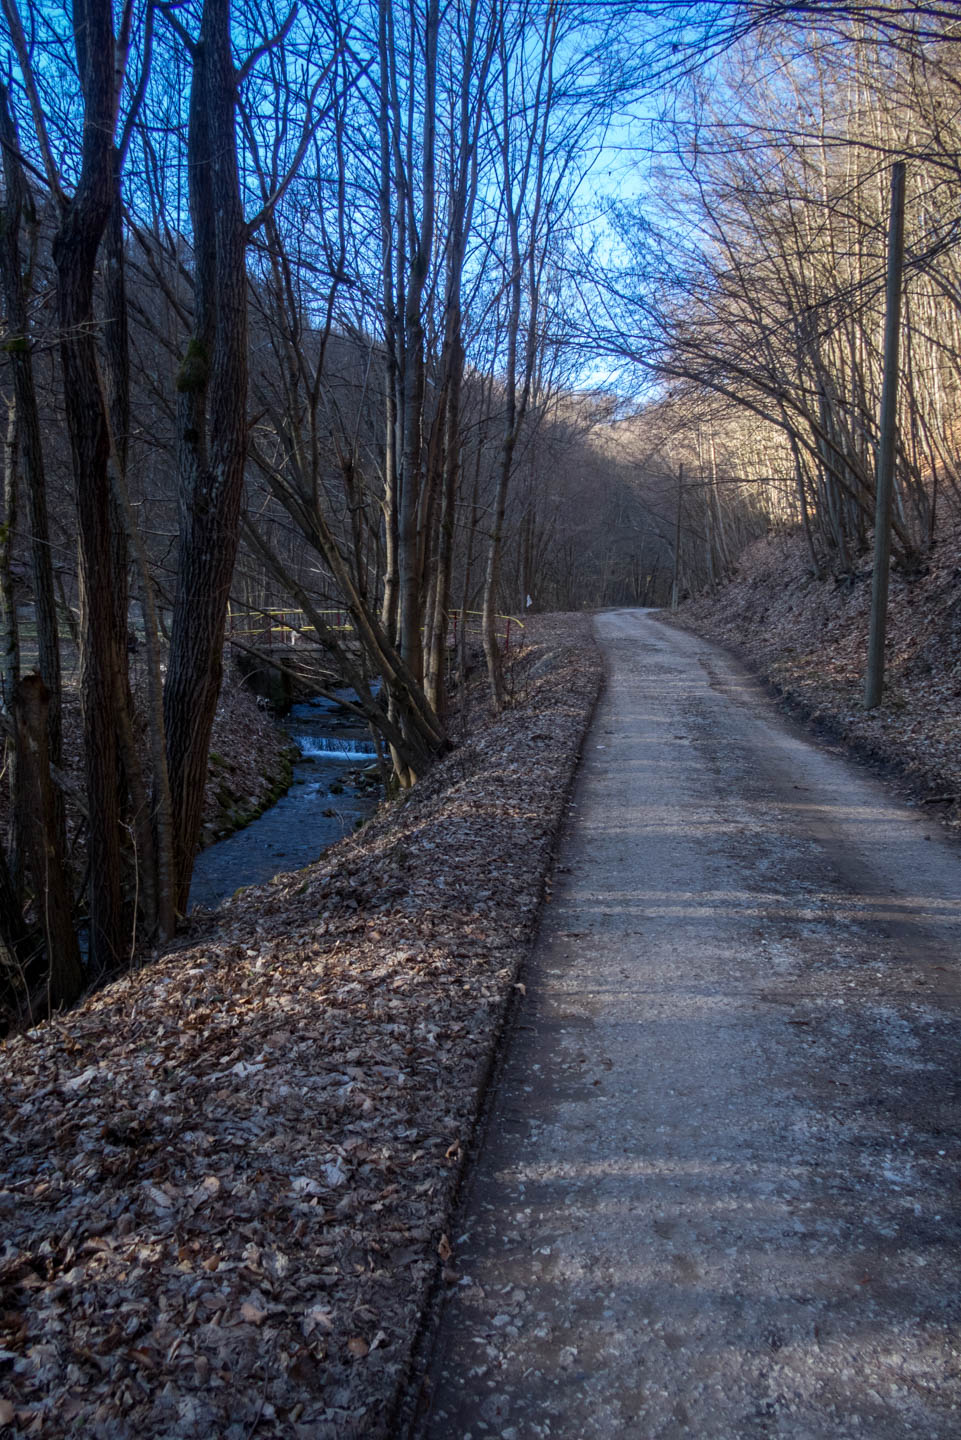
{"x":226,"y":1180}
{"x":808,"y":639}
{"x":249,"y":766}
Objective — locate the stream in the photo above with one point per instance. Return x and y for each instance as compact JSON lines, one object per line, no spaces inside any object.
{"x":324,"y":802}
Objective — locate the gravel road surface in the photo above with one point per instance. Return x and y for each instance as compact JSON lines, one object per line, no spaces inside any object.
{"x":720,"y":1191}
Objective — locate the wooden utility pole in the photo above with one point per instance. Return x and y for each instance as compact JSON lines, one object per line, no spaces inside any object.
{"x":888,"y":444}
{"x":675,"y":588}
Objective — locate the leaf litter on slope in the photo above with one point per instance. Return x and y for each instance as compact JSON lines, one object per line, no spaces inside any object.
{"x":226,"y":1178}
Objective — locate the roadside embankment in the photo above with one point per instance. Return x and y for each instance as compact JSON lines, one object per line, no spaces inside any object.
{"x":226,"y":1180}
{"x":808,"y":639}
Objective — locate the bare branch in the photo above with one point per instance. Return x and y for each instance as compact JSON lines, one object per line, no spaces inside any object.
{"x":22,"y":52}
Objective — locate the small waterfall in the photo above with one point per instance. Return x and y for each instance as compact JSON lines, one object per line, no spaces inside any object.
{"x":335,"y":747}
{"x":324,"y":803}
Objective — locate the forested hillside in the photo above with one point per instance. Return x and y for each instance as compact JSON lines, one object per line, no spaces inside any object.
{"x":285,"y":304}
{"x":763,"y":310}
{"x":337,"y":340}
{"x":395,"y":321}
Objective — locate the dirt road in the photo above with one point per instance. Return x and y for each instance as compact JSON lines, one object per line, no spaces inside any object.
{"x":720,"y":1193}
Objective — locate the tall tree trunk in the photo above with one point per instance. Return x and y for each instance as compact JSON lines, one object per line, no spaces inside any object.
{"x":436,"y":680}
{"x":116,"y":365}
{"x":148,"y":820}
{"x":463,"y":196}
{"x":10,"y":633}
{"x":212,"y":433}
{"x":10,"y":636}
{"x":39,"y":823}
{"x":492,"y":574}
{"x":18,"y":941}
{"x":75,"y":248}
{"x":391,"y":358}
{"x":19,"y":203}
{"x":523,"y":186}
{"x":410,"y":597}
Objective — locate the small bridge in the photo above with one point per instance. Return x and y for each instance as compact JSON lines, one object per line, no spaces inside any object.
{"x":286,"y":630}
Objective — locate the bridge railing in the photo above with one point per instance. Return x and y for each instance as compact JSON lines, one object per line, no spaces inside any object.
{"x":280,"y":627}
{"x":273,"y":628}
{"x":472,"y":620}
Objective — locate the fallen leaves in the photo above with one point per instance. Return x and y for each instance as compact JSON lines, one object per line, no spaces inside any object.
{"x":318,"y":1318}
{"x":226,"y":1179}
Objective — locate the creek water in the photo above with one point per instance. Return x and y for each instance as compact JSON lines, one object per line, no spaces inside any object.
{"x":323,"y":804}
